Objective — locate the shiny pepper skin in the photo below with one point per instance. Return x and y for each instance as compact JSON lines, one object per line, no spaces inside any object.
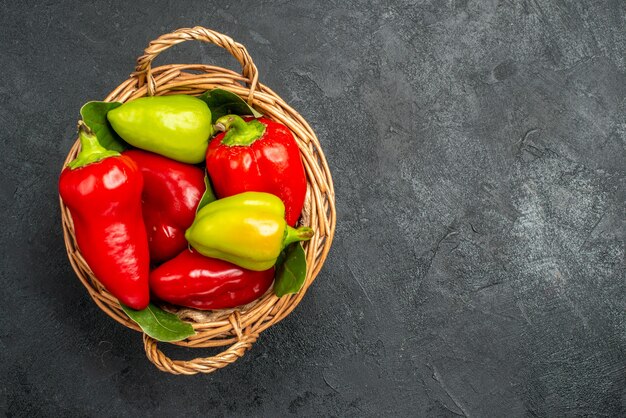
{"x":247,"y":229}
{"x":171,"y":193}
{"x":257,"y":155}
{"x":102,"y":190}
{"x":196,"y":281}
{"x":177,"y":126}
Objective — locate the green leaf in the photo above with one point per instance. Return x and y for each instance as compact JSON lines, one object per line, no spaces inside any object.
{"x":209,"y":195}
{"x":281,"y":259}
{"x":95,"y":116}
{"x":160,"y":325}
{"x":291,"y":271}
{"x":222,"y":102}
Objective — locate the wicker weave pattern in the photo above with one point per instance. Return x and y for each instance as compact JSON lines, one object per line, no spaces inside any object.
{"x":237,"y":328}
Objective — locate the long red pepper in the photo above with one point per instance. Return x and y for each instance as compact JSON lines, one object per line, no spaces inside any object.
{"x":102,"y":190}
{"x":193,"y":280}
{"x":171,"y":193}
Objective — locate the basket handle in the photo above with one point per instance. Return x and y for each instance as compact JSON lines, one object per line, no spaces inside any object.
{"x":144,"y":63}
{"x":206,"y":364}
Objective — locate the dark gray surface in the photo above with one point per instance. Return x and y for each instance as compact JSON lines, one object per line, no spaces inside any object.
{"x":478,"y":153}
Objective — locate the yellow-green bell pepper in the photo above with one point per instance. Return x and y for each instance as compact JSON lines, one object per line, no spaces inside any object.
{"x":177,"y":126}
{"x":247,"y":229}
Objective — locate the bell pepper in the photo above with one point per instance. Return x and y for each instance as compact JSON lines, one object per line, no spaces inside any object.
{"x":193,"y":280}
{"x":177,"y":126}
{"x":248,"y":229}
{"x":257,"y":155}
{"x":102,"y":190}
{"x":171,"y":193}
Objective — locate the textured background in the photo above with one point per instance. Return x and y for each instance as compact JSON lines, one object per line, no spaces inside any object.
{"x":478,"y":151}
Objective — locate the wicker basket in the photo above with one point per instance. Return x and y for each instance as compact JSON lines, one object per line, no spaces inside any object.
{"x":237,"y":328}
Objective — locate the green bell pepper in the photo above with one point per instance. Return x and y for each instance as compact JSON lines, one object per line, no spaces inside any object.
{"x":177,"y":126}
{"x":247,"y":229}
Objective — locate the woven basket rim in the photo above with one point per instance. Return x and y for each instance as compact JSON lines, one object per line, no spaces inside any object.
{"x":240,"y":327}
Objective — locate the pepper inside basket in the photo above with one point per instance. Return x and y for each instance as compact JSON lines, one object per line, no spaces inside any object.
{"x":236,"y":328}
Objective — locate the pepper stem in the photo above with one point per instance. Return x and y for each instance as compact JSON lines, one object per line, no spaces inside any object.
{"x":304,"y":233}
{"x":238,"y":131}
{"x":90,"y":149}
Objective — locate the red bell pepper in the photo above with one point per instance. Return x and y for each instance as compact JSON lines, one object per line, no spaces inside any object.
{"x":193,"y":280}
{"x":171,"y":193}
{"x":102,"y":190}
{"x":257,"y":155}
